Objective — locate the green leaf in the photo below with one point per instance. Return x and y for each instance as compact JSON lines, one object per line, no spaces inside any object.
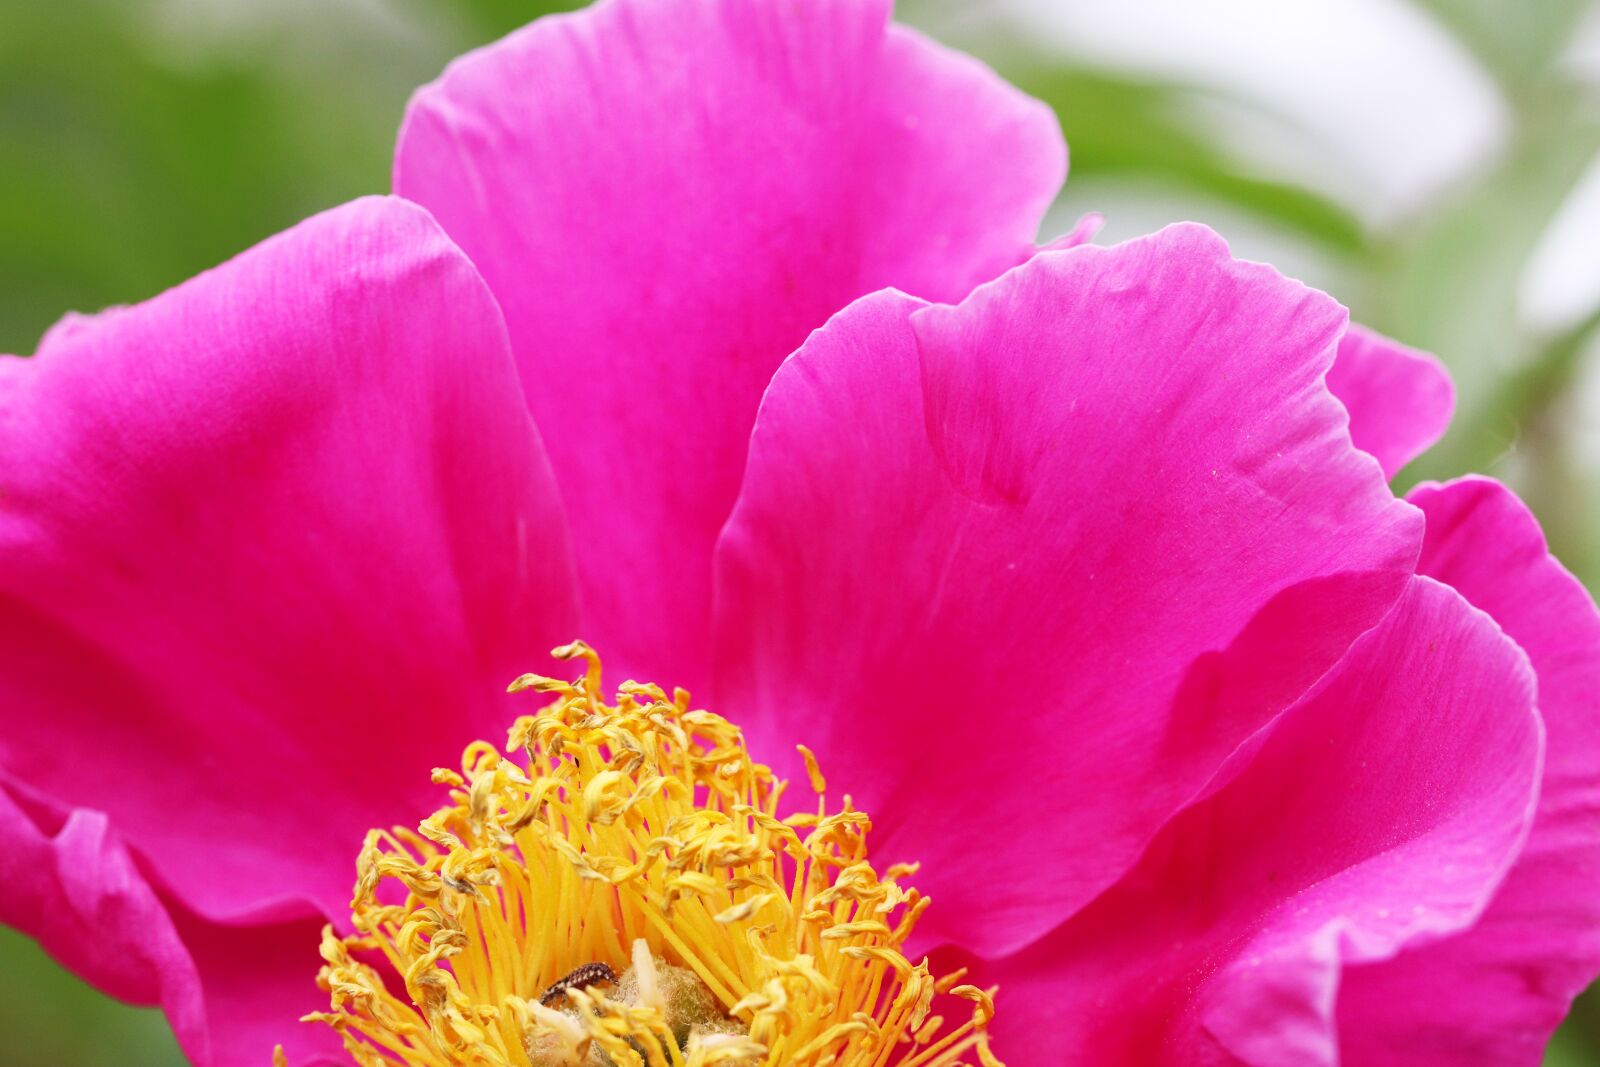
{"x":1449,"y":284}
{"x":52,"y":1015}
{"x":1121,"y":126}
{"x":132,"y":162}
{"x":495,"y":18}
{"x":1517,"y":41}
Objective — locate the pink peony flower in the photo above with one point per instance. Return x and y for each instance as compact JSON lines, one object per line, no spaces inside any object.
{"x":1076,"y":569}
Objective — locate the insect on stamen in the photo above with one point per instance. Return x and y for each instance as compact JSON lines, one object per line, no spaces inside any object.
{"x":580,"y":978}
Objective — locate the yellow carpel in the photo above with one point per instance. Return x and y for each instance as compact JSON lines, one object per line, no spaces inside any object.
{"x":639,"y":835}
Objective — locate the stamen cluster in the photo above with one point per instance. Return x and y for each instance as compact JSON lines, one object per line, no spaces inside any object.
{"x":640,"y":837}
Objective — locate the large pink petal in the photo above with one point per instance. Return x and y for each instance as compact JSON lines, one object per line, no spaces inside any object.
{"x":667,"y":196}
{"x":271,"y":546}
{"x":1380,"y":811}
{"x":1493,"y":994}
{"x":1102,"y":513}
{"x":71,"y":885}
{"x":232,"y":994}
{"x":257,"y":981}
{"x":1400,"y":400}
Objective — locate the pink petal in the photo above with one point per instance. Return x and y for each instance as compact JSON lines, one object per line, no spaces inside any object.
{"x":258,"y":981}
{"x":1083,"y":231}
{"x":667,"y":197}
{"x":232,"y":994}
{"x":1103,"y":513}
{"x":271,"y":546}
{"x":1493,"y":994}
{"x":1400,"y":400}
{"x":1381,"y":810}
{"x":71,"y":885}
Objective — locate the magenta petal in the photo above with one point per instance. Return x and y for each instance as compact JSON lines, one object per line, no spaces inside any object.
{"x":258,"y":981}
{"x":271,"y":546}
{"x":1083,"y":231}
{"x":666,"y":197}
{"x":1381,"y":810}
{"x":1493,"y":994}
{"x":232,"y":994}
{"x":1025,"y":571}
{"x":74,"y":888}
{"x":1400,"y":400}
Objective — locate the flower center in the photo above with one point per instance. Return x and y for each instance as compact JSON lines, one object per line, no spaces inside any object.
{"x":629,"y":896}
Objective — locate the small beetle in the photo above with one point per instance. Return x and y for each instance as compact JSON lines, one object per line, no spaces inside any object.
{"x":587,"y":975}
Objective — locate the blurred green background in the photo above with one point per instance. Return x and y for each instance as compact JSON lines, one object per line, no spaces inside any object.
{"x":1433,"y":163}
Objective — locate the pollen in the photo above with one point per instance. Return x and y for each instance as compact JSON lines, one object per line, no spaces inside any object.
{"x":623,"y":892}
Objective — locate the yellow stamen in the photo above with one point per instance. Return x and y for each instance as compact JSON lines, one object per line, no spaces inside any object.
{"x":640,"y":835}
